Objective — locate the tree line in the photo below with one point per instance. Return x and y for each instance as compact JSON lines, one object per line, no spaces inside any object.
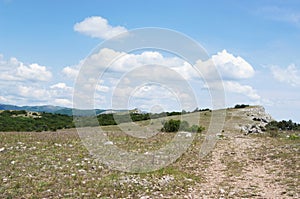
{"x":20,"y":120}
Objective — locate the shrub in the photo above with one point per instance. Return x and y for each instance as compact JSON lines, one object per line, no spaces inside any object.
{"x":294,"y":137}
{"x":177,"y":125}
{"x":171,"y":126}
{"x":196,"y":129}
{"x":241,"y":106}
{"x":283,"y":125}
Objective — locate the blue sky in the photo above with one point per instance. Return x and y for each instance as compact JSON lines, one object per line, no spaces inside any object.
{"x":40,"y":46}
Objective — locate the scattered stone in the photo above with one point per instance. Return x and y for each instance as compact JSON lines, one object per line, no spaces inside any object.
{"x":188,"y":135}
{"x":231,"y":193}
{"x":165,"y":180}
{"x":144,"y":197}
{"x":222,"y":191}
{"x":108,"y":143}
{"x":2,"y":149}
{"x":82,"y":171}
{"x":58,"y":145}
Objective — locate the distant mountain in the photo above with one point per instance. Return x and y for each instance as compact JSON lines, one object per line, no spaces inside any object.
{"x":79,"y":112}
{"x":52,"y":109}
{"x":46,"y":108}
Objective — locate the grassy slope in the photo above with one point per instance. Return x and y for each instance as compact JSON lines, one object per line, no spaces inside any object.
{"x":57,"y":165}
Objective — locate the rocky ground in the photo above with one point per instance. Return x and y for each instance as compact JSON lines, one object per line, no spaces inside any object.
{"x":242,"y":164}
{"x":250,"y":166}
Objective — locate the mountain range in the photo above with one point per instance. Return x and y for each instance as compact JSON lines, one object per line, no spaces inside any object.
{"x":53,"y":109}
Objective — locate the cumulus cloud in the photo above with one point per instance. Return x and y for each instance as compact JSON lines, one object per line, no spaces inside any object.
{"x":33,"y":92}
{"x":28,"y":84}
{"x":227,"y":65}
{"x":34,"y":72}
{"x":15,"y":70}
{"x":132,"y":70}
{"x":105,"y":60}
{"x":289,"y":75}
{"x":98,"y":27}
{"x":232,"y":67}
{"x":70,"y":72}
{"x":58,"y":94}
{"x":62,"y":86}
{"x":235,"y":87}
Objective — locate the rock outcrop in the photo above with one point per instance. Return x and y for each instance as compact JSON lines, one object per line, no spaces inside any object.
{"x":258,"y":120}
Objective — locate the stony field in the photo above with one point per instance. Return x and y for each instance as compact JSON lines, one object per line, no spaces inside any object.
{"x":57,"y":165}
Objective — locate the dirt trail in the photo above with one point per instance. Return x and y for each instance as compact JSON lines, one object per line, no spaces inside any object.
{"x":241,"y":167}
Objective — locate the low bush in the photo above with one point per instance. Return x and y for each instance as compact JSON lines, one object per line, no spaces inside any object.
{"x":241,"y":106}
{"x":177,"y":125}
{"x":283,"y":125}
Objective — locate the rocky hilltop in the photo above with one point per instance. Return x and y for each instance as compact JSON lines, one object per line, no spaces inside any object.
{"x":254,"y":119}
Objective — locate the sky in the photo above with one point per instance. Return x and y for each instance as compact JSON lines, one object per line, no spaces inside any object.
{"x":254,"y":46}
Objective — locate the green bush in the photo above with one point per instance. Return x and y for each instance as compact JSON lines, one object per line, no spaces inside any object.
{"x":171,"y":126}
{"x":283,"y":125}
{"x":177,"y":125}
{"x":294,"y":137}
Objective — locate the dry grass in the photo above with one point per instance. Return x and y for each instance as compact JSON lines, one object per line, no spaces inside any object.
{"x":57,"y":165}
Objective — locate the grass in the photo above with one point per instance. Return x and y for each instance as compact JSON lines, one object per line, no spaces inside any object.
{"x":57,"y":165}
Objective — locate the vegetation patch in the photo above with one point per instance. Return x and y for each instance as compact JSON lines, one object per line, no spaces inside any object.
{"x":177,"y":125}
{"x":241,"y":106}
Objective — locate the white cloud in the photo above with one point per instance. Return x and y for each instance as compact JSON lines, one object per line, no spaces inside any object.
{"x":132,"y":70}
{"x":98,"y":27}
{"x":58,"y":94}
{"x":34,"y":72}
{"x":62,"y":86}
{"x":229,"y":66}
{"x":15,"y":70}
{"x":149,"y":95}
{"x":106,"y":59}
{"x":70,"y":72}
{"x":29,"y":84}
{"x":34,"y":92}
{"x":63,"y":102}
{"x":3,"y":99}
{"x":226,"y":66}
{"x":232,"y":67}
{"x":102,"y":88}
{"x":235,"y":87}
{"x":289,"y":75}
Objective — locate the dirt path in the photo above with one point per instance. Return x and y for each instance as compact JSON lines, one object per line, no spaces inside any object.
{"x":242,"y":167}
{"x":233,"y":174}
